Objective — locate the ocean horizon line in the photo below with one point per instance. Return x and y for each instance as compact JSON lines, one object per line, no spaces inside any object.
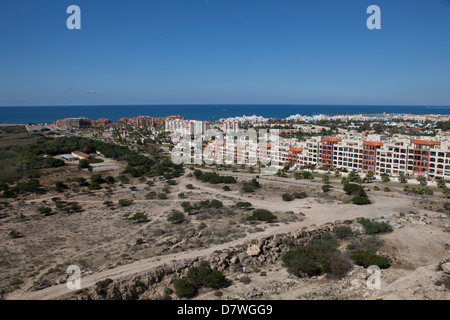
{"x":202,"y":112}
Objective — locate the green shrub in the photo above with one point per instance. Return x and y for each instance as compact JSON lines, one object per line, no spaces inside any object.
{"x":361,"y":200}
{"x":373,"y":227}
{"x":139,"y":217}
{"x":203,"y":275}
{"x":45,"y":210}
{"x":171,"y":182}
{"x":151,"y":195}
{"x":184,"y":288}
{"x":354,"y":190}
{"x":343,"y":232}
{"x":216,"y":203}
{"x":243,"y":204}
{"x":366,"y":259}
{"x":176,"y":217}
{"x":287,"y":197}
{"x":262,"y":215}
{"x":300,"y":195}
{"x":326,"y":188}
{"x":162,"y":196}
{"x":125,"y":202}
{"x":226,"y":188}
{"x":316,"y":259}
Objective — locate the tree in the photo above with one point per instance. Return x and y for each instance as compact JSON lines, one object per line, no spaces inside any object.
{"x":370,"y":175}
{"x":446,"y":192}
{"x":326,"y":179}
{"x":153,"y":149}
{"x":402,"y":177}
{"x":184,"y":288}
{"x":353,"y":176}
{"x":441,"y":183}
{"x":385,"y":177}
{"x":139,"y":217}
{"x":176,"y":217}
{"x":262,"y":215}
{"x":326,"y":188}
{"x":125,"y":202}
{"x":421,"y":178}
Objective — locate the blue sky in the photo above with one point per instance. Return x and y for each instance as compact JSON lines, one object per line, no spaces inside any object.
{"x":224,"y":52}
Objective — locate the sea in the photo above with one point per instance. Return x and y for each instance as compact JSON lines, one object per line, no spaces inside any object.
{"x":48,"y":114}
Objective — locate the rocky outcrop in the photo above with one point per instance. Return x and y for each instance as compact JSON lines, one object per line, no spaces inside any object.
{"x":155,"y":284}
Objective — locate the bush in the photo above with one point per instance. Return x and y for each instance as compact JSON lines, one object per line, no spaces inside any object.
{"x":262,"y":215}
{"x":354,"y":190}
{"x":343,"y":232}
{"x":361,"y":200}
{"x":226,"y":188}
{"x":59,"y":186}
{"x":125,"y":202}
{"x":251,"y":186}
{"x":366,"y":259}
{"x":313,"y":260}
{"x":373,"y":227}
{"x":326,"y":187}
{"x":184,"y":288}
{"x":151,"y":195}
{"x":245,"y":280}
{"x":339,"y":264}
{"x":243,"y":204}
{"x":139,"y":217}
{"x":203,"y":275}
{"x":162,"y":196}
{"x":287,"y":197}
{"x":176,"y":217}
{"x":45,"y":210}
{"x":14,"y":234}
{"x":171,"y":182}
{"x":182,"y":195}
{"x":216,"y":203}
{"x":214,"y":280}
{"x":189,"y":186}
{"x":300,"y":195}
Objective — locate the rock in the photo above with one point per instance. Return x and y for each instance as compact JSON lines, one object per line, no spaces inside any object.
{"x":234,"y":259}
{"x":253,"y":250}
{"x":446,"y":267}
{"x":417,"y":222}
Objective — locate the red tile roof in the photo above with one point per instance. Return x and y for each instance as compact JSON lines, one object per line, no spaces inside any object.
{"x":331,"y":139}
{"x":373,"y":143}
{"x":427,"y":142}
{"x":80,"y":154}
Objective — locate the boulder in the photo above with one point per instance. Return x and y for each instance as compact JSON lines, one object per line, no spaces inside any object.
{"x":253,"y":250}
{"x":446,"y":267}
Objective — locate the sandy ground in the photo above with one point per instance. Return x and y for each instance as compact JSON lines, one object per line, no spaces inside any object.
{"x":103,"y":237}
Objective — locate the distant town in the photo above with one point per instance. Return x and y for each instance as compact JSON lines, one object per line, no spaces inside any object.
{"x":397,"y":145}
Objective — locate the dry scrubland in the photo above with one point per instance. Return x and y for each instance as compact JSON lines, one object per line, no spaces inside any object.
{"x":104,"y":240}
